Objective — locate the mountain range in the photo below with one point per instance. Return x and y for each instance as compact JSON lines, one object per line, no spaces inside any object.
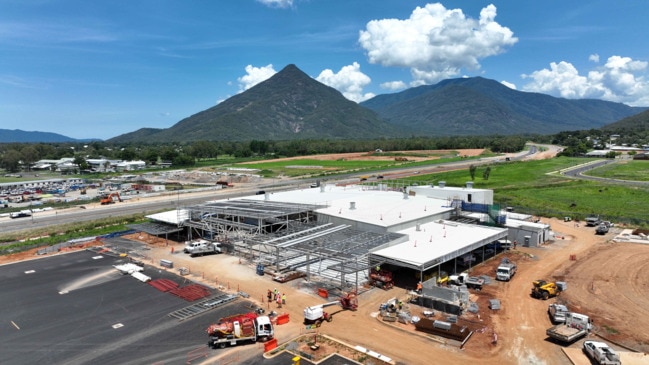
{"x":291,"y":105}
{"x":20,"y":136}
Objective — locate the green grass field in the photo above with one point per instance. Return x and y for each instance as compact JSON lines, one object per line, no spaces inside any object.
{"x":624,"y":170}
{"x":534,"y":187}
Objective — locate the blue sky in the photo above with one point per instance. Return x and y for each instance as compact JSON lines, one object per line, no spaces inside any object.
{"x":98,"y":69}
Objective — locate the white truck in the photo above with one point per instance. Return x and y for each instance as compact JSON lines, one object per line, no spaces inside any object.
{"x":472,"y":282}
{"x":576,"y":326}
{"x":201,"y":247}
{"x":506,"y":270}
{"x":557,"y":312}
{"x":601,"y":353}
{"x":21,"y":214}
{"x":239,"y":328}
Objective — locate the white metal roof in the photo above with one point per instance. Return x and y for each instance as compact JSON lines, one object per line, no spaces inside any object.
{"x":441,"y":240}
{"x":377,"y":207}
{"x":171,"y":217}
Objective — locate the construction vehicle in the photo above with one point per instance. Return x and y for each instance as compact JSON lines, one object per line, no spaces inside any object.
{"x":542,"y":289}
{"x":506,"y":270}
{"x":238,"y":328}
{"x":315,"y":315}
{"x":108,"y":199}
{"x":557,"y":312}
{"x":381,"y":278}
{"x":576,"y":326}
{"x":201,"y":247}
{"x":471,"y":282}
{"x":601,"y":353}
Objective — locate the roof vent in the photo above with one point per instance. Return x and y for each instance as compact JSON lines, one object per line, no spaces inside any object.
{"x":442,"y":184}
{"x":352,"y":205}
{"x":469,"y":184}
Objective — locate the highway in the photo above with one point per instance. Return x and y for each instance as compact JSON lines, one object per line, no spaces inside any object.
{"x":171,"y":200}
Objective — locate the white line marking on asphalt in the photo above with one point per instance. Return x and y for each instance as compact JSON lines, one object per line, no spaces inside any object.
{"x":15,"y":325}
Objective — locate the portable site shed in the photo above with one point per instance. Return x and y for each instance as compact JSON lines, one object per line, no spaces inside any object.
{"x":528,"y":234}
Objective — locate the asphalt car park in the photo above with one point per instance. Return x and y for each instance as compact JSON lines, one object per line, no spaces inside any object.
{"x":77,"y":309}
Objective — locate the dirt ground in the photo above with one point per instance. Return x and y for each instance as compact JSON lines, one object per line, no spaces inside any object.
{"x":369,"y":156}
{"x":604,"y":280}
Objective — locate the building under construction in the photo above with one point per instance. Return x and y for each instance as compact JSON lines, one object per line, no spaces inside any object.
{"x":340,"y":232}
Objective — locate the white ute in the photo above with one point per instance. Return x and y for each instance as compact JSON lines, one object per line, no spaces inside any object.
{"x":601,"y":353}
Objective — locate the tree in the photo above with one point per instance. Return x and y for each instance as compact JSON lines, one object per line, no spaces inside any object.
{"x":81,"y":162}
{"x":11,"y":161}
{"x":486,"y":173}
{"x":184,"y":160}
{"x":29,"y":155}
{"x":472,"y":169}
{"x":127,"y":154}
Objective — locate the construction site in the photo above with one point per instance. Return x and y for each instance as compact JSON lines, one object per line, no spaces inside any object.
{"x":358,"y":269}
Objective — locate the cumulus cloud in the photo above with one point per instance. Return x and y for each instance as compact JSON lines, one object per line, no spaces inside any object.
{"x":393,"y":85}
{"x":255,"y":75}
{"x":621,"y":79}
{"x":277,"y":3}
{"x":508,"y":84}
{"x":350,"y":81}
{"x":435,"y":43}
{"x":594,"y":58}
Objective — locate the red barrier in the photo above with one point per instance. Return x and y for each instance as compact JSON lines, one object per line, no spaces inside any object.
{"x":282,"y":319}
{"x":323,"y":293}
{"x":270,"y":345}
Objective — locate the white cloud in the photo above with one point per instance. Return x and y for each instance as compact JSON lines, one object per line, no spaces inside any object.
{"x":350,"y":81}
{"x":435,"y":42}
{"x":277,"y":3}
{"x":621,"y":79}
{"x":255,"y":75}
{"x":508,"y":84}
{"x":594,"y":58}
{"x":393,"y":85}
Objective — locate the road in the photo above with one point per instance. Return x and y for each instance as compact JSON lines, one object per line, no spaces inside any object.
{"x":148,"y":204}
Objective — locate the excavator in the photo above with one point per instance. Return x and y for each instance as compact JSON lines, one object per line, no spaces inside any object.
{"x":542,"y":289}
{"x":108,"y":199}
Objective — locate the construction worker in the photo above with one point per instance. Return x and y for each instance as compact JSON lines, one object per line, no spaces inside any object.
{"x":269,"y":295}
{"x":283,"y":298}
{"x":419,"y":287}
